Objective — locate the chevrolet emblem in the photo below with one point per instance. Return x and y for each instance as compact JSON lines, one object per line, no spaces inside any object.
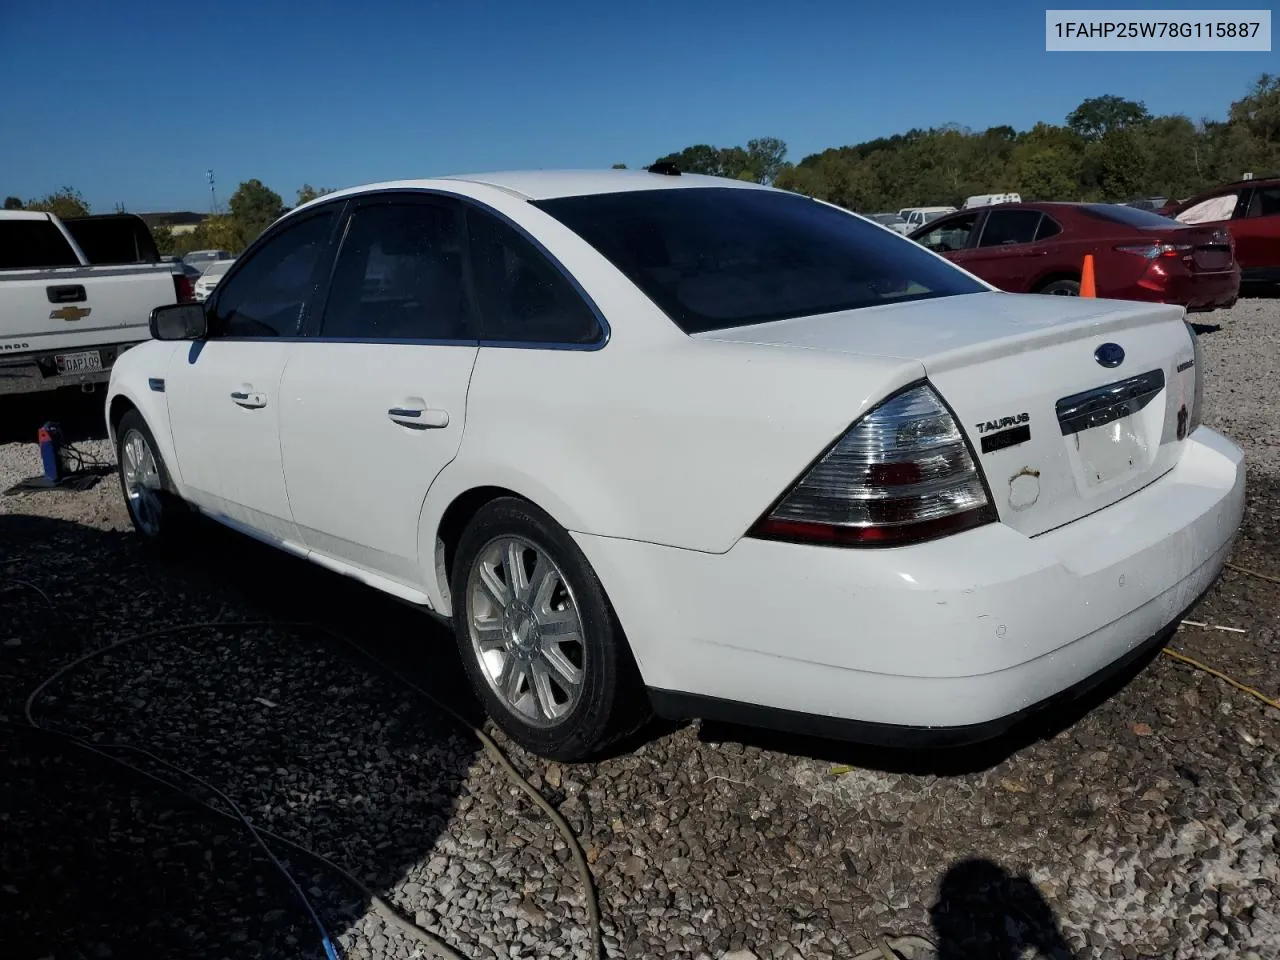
{"x":70,"y":312}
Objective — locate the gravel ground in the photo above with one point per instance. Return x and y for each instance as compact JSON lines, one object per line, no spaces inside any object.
{"x":1145,"y":823}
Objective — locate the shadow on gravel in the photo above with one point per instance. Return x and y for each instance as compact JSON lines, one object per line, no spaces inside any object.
{"x":313,"y":742}
{"x":80,"y":415}
{"x":984,"y":911}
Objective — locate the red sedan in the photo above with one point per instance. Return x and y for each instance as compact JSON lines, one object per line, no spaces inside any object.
{"x":1138,"y":255}
{"x":1250,"y":211}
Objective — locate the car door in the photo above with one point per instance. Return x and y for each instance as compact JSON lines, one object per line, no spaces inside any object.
{"x":1256,"y":230}
{"x":375,"y":402}
{"x":223,"y":392}
{"x":1007,"y":254}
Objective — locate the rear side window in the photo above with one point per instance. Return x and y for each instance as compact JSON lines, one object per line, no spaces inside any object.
{"x":399,"y":276}
{"x":524,"y":298}
{"x":267,"y":294}
{"x":1049,"y":227}
{"x":114,"y":240}
{"x":950,"y":235}
{"x":1006,"y":227}
{"x":32,"y":244}
{"x":715,"y":257}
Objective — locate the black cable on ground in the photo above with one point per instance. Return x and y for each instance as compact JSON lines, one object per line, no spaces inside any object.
{"x":387,"y":910}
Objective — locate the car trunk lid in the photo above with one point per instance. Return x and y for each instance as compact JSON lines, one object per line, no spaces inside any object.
{"x":1070,"y":404}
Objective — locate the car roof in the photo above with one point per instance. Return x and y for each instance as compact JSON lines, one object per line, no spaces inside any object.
{"x":551,"y":184}
{"x":23,"y":215}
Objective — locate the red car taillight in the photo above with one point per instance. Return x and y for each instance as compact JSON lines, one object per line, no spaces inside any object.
{"x":1155,"y":251}
{"x":183,"y":288}
{"x":902,"y":474}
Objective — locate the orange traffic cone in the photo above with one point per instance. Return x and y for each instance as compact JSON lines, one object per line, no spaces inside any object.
{"x":1088,"y":285}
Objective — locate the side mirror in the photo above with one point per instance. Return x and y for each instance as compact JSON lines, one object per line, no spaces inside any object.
{"x":179,"y":321}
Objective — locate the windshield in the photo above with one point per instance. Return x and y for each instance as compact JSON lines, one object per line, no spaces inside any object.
{"x":1129,"y":216}
{"x":718,"y":257}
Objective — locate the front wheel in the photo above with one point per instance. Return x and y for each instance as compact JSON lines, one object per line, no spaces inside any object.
{"x":538,"y":637}
{"x":153,"y":508}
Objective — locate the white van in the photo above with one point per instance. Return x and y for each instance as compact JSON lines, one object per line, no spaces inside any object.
{"x":990,"y":199}
{"x":918,"y":216}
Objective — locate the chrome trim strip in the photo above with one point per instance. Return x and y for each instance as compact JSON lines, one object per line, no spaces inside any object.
{"x":1102,"y":405}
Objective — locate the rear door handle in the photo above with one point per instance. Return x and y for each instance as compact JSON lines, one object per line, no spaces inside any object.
{"x":419,"y":418}
{"x":248,"y":399}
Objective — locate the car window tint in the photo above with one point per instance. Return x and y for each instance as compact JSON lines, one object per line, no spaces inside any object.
{"x":1048,"y":228}
{"x":399,"y":276}
{"x":1265,"y":202}
{"x":32,"y":244}
{"x":266,"y":295}
{"x":1006,"y":227}
{"x":1211,"y":210}
{"x":951,"y":235}
{"x":719,"y":257}
{"x":523,"y":297}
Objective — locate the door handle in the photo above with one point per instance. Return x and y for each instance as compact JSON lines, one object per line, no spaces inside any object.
{"x":419,"y":418}
{"x":249,"y":400}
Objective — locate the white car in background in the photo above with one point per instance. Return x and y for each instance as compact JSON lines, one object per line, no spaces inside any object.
{"x":213,"y":273}
{"x":695,"y":444}
{"x":892,"y":221}
{"x":918,"y":216}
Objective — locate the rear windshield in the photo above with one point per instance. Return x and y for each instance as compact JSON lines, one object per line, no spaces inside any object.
{"x":719,"y":257}
{"x":114,"y":240}
{"x":1129,"y":216}
{"x":31,"y":244}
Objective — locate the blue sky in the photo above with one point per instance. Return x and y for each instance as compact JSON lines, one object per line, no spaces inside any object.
{"x":131,"y":102}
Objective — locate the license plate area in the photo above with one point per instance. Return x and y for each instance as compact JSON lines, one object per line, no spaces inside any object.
{"x":84,"y":362}
{"x":1107,"y":431}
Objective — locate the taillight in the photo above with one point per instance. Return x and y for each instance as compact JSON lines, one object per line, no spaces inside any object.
{"x":1154,"y":251}
{"x":1197,"y":368}
{"x":902,"y":474}
{"x":183,"y":289}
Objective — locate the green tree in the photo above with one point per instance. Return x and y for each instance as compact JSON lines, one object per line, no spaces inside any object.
{"x":1098,"y":116}
{"x":307,"y":193}
{"x":1118,"y":164}
{"x":1047,"y":173}
{"x":222,"y":232}
{"x":765,"y":158}
{"x":619,"y":166}
{"x":13,"y":203}
{"x":254,"y":207}
{"x":164,"y":239}
{"x":63,"y":203}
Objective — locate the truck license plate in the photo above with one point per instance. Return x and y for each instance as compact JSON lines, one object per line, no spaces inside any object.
{"x":78,"y":362}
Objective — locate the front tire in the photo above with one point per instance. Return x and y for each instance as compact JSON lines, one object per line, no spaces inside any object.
{"x":155,"y":510}
{"x":538,"y":637}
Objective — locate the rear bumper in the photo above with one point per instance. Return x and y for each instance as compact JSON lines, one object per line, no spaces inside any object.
{"x":1195,"y":291}
{"x":968,"y":632}
{"x":37,"y":372}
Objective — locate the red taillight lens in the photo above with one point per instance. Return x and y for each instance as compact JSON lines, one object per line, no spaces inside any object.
{"x":1153,"y":251}
{"x":902,"y":474}
{"x":183,"y":288}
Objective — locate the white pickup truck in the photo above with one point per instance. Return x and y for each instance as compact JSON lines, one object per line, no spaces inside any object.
{"x":63,"y":321}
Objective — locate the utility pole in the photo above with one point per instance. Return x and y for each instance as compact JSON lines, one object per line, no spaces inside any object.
{"x":213,"y":193}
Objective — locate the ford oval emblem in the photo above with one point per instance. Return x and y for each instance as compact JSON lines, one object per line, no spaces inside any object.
{"x":1109,"y":354}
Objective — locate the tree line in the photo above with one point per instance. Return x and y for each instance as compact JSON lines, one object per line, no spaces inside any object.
{"x":1108,"y":149}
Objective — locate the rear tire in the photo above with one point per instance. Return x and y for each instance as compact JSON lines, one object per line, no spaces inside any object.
{"x":538,"y":637}
{"x":157,"y":512}
{"x":1061,"y":288}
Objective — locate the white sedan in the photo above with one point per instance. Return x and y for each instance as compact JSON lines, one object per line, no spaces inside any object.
{"x":210,"y":278}
{"x":653,"y":441}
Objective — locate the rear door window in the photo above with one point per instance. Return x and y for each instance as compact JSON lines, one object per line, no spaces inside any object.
{"x":34,"y":244}
{"x":1265,"y":202}
{"x":1008,"y":227}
